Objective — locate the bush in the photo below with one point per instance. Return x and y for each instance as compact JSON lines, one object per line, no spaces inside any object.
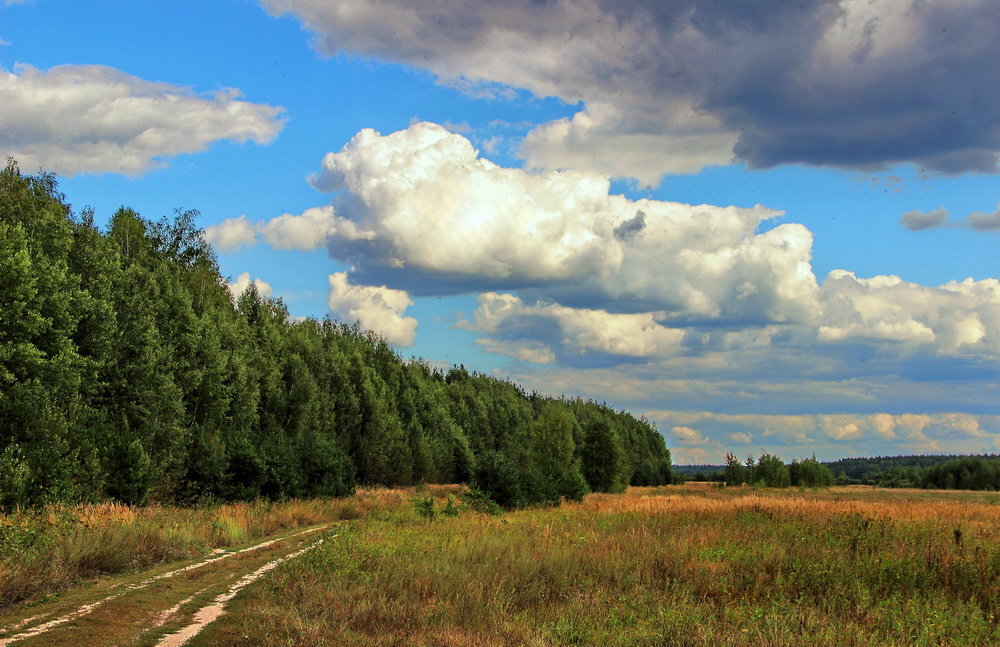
{"x":424,"y":507}
{"x":499,"y":479}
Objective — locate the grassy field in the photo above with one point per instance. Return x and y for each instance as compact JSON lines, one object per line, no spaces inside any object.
{"x":680,"y":565}
{"x":45,"y":551}
{"x":669,"y":566}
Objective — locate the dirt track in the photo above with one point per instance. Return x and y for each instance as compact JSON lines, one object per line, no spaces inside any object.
{"x":166,"y":606}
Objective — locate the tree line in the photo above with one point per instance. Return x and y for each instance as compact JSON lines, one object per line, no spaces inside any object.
{"x":767,"y":470}
{"x":942,"y":472}
{"x":932,"y":472}
{"x":128,"y":372}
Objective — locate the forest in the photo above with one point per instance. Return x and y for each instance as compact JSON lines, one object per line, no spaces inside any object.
{"x":129,"y":372}
{"x":942,"y":472}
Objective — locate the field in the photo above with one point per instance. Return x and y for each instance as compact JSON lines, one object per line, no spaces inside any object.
{"x":679,"y":565}
{"x":668,"y":566}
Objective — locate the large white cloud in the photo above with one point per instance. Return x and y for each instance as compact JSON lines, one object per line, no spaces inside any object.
{"x":376,"y":308}
{"x":878,"y":322}
{"x":690,"y":78}
{"x":95,"y":119}
{"x":423,"y":202}
{"x":600,"y":278}
{"x":960,"y":317}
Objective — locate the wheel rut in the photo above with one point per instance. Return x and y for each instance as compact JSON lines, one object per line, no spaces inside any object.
{"x":138,"y":609}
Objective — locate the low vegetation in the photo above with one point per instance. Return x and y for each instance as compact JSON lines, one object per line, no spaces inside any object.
{"x":45,"y":550}
{"x":655,"y":566}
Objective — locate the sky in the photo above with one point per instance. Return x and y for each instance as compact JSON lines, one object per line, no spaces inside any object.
{"x":764,"y":226}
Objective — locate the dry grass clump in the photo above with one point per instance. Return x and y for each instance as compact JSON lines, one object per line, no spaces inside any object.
{"x":673,"y":566}
{"x":42,"y":551}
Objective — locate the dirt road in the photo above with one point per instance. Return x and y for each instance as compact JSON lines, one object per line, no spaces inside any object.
{"x":164,"y":607}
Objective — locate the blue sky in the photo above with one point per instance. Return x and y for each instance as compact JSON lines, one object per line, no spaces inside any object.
{"x":566,"y":193}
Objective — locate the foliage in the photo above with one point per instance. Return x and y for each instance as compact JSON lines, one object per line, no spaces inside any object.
{"x":424,"y":507}
{"x":938,"y":472}
{"x":128,"y":372}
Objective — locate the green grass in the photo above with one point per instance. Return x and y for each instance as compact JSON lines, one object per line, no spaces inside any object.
{"x":673,"y":566}
{"x":45,"y":551}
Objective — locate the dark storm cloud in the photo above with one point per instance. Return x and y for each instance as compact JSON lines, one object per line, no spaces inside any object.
{"x":844,"y":83}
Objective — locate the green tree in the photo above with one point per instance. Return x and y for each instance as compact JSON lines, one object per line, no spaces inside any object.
{"x":603,"y":459}
{"x":735,"y":472}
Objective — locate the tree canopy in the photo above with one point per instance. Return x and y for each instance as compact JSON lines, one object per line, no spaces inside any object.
{"x":128,"y":372}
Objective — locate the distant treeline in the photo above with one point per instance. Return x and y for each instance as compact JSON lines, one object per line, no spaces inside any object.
{"x":932,"y":472}
{"x":767,"y":470}
{"x":127,"y":372}
{"x":939,"y":472}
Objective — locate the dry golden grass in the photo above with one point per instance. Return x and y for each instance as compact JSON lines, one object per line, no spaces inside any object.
{"x":664,"y":566}
{"x":43,"y":551}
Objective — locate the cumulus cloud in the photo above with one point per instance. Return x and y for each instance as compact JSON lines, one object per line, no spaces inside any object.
{"x":798,"y":435}
{"x":243,"y":281}
{"x":741,"y":438}
{"x":376,"y":308}
{"x":960,"y":317}
{"x":919,"y":220}
{"x":75,"y":119}
{"x":689,"y":436}
{"x":702,"y":82}
{"x":674,"y":139}
{"x":304,"y":231}
{"x":422,"y":203}
{"x":602,"y":279}
{"x":231,"y":235}
{"x":574,"y":331}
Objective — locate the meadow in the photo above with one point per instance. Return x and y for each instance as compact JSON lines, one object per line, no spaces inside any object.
{"x":679,"y":565}
{"x":47,"y":550}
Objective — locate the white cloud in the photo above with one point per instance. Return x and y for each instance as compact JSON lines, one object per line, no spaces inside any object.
{"x":379,"y":309}
{"x":576,"y":330}
{"x":231,"y":235}
{"x":960,"y":317}
{"x":94,"y":119}
{"x":304,"y":232}
{"x":600,"y":276}
{"x":424,"y":203}
{"x":524,"y":351}
{"x":675,"y":139}
{"x":688,"y":436}
{"x":243,"y":281}
{"x":835,"y":434}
